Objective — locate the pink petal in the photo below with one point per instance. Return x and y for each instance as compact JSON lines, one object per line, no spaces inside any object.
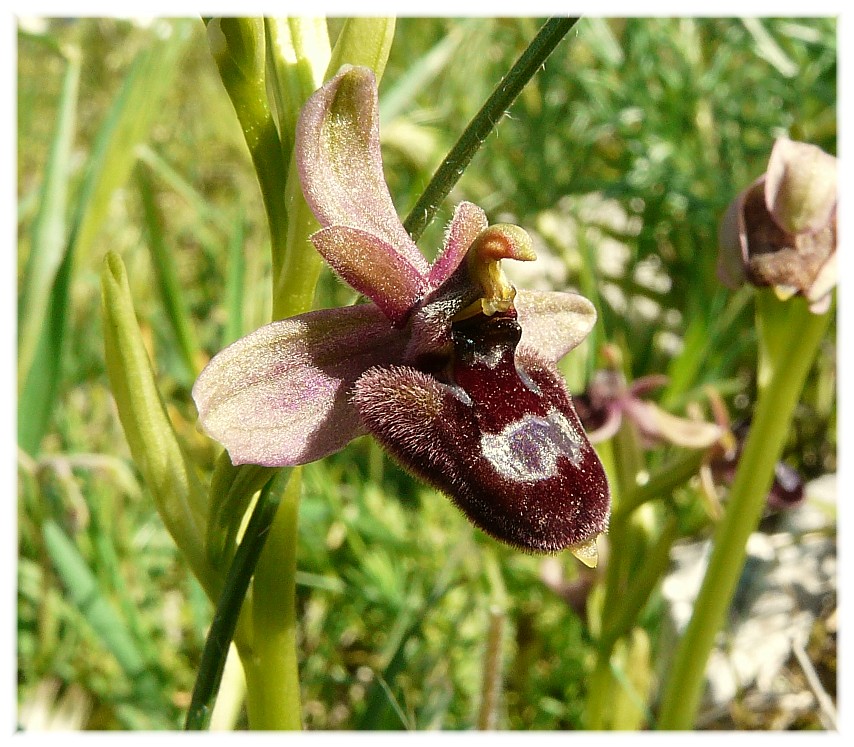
{"x":468,"y":222}
{"x":553,"y":323}
{"x":280,"y":396}
{"x":800,"y":186}
{"x":608,"y":429}
{"x":372,"y":267}
{"x":732,"y":240}
{"x":340,"y":163}
{"x":657,"y":425}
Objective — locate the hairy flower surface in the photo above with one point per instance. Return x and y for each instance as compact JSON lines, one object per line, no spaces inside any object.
{"x":449,"y":367}
{"x":781,"y":230}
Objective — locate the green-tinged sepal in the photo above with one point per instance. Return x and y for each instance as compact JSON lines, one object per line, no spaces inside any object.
{"x":298,"y":54}
{"x":170,"y":477}
{"x":238,"y":47}
{"x":365,"y":42}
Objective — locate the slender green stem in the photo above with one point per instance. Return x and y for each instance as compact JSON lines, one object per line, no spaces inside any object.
{"x":660,"y":485}
{"x":625,"y":463}
{"x":238,"y":46}
{"x":753,"y":479}
{"x":626,"y":610}
{"x":490,"y":693}
{"x":230,"y":604}
{"x":271,"y":663}
{"x":483,"y":123}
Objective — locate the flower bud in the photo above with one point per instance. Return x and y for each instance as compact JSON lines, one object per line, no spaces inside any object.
{"x":781,"y":230}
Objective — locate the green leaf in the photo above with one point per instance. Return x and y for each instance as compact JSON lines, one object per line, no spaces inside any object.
{"x":48,"y":236}
{"x":169,"y":475}
{"x":85,"y":594}
{"x":363,"y":41}
{"x":38,"y":395}
{"x":168,"y":284}
{"x":127,"y":125}
{"x":234,"y":292}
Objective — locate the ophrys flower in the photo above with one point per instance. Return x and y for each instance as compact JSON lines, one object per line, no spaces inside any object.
{"x":449,"y":367}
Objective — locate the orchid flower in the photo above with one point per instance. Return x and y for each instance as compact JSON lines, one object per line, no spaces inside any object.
{"x":609,"y":399}
{"x":449,"y":367}
{"x":781,"y":230}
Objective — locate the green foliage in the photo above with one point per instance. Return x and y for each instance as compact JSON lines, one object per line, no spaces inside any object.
{"x":619,"y":158}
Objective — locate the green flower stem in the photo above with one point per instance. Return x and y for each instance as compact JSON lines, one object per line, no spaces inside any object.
{"x":271,"y":663}
{"x":660,"y":485}
{"x":625,"y":611}
{"x":296,"y":55}
{"x":295,"y":272}
{"x":230,"y":602}
{"x":483,"y":123}
{"x":777,"y":400}
{"x":238,"y":47}
{"x":625,"y":463}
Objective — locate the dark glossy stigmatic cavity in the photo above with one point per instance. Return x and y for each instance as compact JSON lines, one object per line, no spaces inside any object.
{"x":500,"y":437}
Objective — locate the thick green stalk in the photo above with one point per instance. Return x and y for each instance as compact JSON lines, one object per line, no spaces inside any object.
{"x":787,"y":372}
{"x":230,"y":603}
{"x":296,"y":54}
{"x":270,"y":661}
{"x":508,"y":88}
{"x":238,"y":47}
{"x":625,"y":465}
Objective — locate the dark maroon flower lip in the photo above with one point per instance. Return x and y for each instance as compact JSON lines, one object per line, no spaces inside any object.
{"x":449,"y":366}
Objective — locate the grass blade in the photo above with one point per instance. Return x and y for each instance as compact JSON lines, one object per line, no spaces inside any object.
{"x":127,"y":123}
{"x":48,"y":236}
{"x":167,"y":274}
{"x":234,"y":280}
{"x":88,"y":597}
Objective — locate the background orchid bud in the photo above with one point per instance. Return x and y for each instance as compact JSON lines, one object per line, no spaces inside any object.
{"x":781,"y":230}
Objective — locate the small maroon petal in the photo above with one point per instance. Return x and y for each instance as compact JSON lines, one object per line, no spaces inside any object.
{"x":787,"y":490}
{"x":467,"y":224}
{"x":502,"y":439}
{"x":373,"y":268}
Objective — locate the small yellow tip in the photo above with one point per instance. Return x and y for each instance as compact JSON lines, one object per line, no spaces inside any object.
{"x":586,"y":552}
{"x":784,"y":292}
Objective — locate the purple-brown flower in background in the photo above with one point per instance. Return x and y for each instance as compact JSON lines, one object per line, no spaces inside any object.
{"x":781,"y":230}
{"x":608,"y":399}
{"x":449,"y":367}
